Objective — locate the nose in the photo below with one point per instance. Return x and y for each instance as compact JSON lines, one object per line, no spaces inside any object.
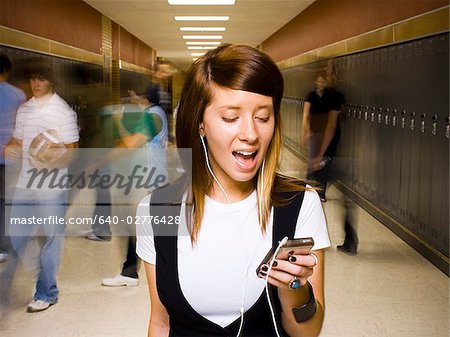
{"x":249,"y":131}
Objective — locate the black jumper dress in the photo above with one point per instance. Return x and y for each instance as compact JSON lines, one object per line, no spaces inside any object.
{"x":184,"y":320}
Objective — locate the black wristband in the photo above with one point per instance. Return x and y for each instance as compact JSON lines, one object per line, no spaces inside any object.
{"x":307,"y":310}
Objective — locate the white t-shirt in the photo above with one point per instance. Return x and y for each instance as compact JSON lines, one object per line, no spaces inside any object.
{"x":214,"y":272}
{"x":32,"y":119}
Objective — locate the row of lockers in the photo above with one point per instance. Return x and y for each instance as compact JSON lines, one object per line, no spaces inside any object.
{"x":424,"y":123}
{"x":394,"y":147}
{"x":71,"y":75}
{"x":412,"y":76}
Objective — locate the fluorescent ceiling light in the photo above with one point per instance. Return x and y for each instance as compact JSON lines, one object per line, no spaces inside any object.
{"x":201,"y":2}
{"x":202,"y":37}
{"x":197,"y":54}
{"x":203,"y":29}
{"x":200,"y":47}
{"x":201,"y":18}
{"x":210,"y":43}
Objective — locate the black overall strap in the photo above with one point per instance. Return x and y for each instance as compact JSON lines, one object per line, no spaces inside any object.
{"x":284,"y":224}
{"x":285,"y":217}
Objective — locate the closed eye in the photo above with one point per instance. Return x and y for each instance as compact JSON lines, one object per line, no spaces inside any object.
{"x":263,"y":119}
{"x":229,"y":120}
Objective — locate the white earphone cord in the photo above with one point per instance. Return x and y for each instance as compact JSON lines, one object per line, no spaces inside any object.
{"x":281,"y":243}
{"x":261,"y":189}
{"x":210,"y":170}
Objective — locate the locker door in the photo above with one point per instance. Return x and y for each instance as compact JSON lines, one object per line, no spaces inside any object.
{"x":392,"y":167}
{"x":429,"y":84}
{"x":398,"y":128}
{"x":365,"y":150}
{"x":356,"y":95}
{"x":396,"y":166}
{"x":439,"y":214}
{"x":413,"y":160}
{"x":404,"y":54}
{"x":384,"y":141}
{"x":373,"y":83}
{"x":361,"y":140}
{"x":439,"y":130}
{"x":345,"y":161}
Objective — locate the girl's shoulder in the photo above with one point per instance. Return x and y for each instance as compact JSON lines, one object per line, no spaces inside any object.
{"x":171,"y":193}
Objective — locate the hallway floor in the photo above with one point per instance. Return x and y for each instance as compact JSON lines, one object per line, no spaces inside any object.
{"x":387,"y":289}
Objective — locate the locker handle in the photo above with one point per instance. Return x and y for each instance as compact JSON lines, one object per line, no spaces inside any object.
{"x":412,"y":122}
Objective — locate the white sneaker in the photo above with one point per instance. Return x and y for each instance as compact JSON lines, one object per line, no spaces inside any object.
{"x":38,"y":305}
{"x":91,"y":236}
{"x":119,"y":281}
{"x":4,"y":256}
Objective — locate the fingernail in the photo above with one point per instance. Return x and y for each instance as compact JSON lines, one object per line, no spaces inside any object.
{"x":292,"y":258}
{"x":274,"y":264}
{"x":262,"y":274}
{"x":264,"y":268}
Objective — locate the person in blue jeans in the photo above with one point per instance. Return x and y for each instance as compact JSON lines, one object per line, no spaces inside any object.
{"x":11,"y":99}
{"x":38,"y":206}
{"x":49,"y":208}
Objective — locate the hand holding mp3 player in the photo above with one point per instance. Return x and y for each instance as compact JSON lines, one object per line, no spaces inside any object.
{"x":292,"y":247}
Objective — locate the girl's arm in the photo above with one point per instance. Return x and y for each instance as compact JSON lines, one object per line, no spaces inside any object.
{"x":159,"y":319}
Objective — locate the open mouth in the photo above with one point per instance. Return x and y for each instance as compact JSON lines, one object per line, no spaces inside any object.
{"x":244,"y":158}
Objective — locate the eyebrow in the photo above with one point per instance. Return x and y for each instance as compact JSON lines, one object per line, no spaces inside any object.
{"x":234,"y":107}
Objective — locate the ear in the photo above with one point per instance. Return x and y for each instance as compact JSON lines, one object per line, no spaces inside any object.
{"x":201,"y":130}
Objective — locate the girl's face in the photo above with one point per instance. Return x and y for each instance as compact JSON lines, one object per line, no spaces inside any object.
{"x":238,"y":126}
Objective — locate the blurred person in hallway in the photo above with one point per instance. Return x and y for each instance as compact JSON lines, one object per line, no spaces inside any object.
{"x":10,"y":99}
{"x":327,"y":167}
{"x":94,"y":101}
{"x":151,"y":130}
{"x":319,"y":121}
{"x":333,"y":170}
{"x":162,"y":73}
{"x":201,"y":274}
{"x":38,"y":206}
{"x":351,"y":241}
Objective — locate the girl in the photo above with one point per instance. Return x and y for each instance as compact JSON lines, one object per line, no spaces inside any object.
{"x":234,"y":209}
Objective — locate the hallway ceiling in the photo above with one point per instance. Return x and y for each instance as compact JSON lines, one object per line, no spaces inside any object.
{"x":152,"y":21}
